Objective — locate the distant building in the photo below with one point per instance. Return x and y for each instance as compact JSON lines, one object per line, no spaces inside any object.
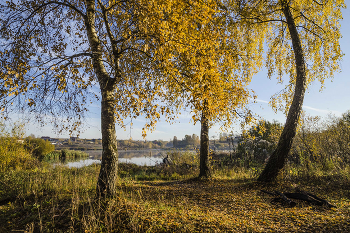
{"x":97,"y":140}
{"x":74,"y":139}
{"x":46,"y":138}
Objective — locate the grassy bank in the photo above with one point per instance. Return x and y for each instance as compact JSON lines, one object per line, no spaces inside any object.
{"x":63,"y":200}
{"x":65,"y":154}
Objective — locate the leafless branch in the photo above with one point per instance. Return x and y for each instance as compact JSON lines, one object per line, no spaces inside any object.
{"x":63,"y":4}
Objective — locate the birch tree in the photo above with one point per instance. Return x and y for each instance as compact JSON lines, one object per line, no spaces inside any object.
{"x":54,"y":53}
{"x":303,"y":43}
{"x":210,"y":59}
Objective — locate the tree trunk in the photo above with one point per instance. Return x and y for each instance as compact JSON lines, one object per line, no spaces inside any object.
{"x":106,"y":184}
{"x":204,"y":171}
{"x":279,"y":156}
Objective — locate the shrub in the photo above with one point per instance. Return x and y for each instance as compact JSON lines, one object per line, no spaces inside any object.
{"x":178,"y":157}
{"x":13,"y":154}
{"x":323,"y":141}
{"x":39,"y":147}
{"x":259,"y":141}
{"x":73,"y":154}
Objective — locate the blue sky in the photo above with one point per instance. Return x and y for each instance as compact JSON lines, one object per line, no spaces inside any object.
{"x":331,"y":100}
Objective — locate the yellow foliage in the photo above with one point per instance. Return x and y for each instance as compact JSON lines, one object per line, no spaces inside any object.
{"x":159,"y":56}
{"x":13,"y":154}
{"x":318,"y":26}
{"x":208,"y":62}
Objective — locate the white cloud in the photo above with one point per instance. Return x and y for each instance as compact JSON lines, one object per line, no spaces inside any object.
{"x":323,"y":110}
{"x":262,"y":101}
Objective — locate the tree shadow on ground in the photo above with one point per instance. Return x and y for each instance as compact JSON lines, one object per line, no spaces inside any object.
{"x":220,"y":193}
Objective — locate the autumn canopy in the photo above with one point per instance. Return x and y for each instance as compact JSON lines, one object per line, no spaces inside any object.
{"x":158,"y":57}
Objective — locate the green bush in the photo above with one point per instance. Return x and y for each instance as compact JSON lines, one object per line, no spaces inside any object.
{"x":258,"y":143}
{"x":65,"y":155}
{"x":13,"y":153}
{"x":73,"y":154}
{"x":325,"y":142}
{"x":179,"y":157}
{"x":39,"y":147}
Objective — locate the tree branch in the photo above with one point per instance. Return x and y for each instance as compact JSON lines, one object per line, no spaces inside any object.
{"x":135,"y":49}
{"x":113,"y":5}
{"x":315,"y":34}
{"x":115,"y":52}
{"x":267,"y":21}
{"x":63,"y":4}
{"x":302,"y":14}
{"x":320,"y":4}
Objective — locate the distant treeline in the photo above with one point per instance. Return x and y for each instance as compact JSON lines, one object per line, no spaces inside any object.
{"x":223,"y":142}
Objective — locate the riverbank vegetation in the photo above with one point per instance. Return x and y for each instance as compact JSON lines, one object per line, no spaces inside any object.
{"x":37,"y":197}
{"x":189,"y":142}
{"x":63,"y":155}
{"x":21,"y":153}
{"x":96,"y":144}
{"x":64,"y":200}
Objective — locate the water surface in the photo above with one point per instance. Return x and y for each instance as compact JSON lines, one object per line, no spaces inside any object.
{"x":142,"y":161}
{"x":97,"y":154}
{"x":149,"y":157}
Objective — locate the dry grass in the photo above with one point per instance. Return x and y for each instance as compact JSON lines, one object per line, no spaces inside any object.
{"x":63,"y":200}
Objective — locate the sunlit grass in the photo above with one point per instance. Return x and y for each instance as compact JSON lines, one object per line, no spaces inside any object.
{"x":63,"y":200}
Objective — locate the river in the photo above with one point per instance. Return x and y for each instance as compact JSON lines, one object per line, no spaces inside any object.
{"x":148,"y":157}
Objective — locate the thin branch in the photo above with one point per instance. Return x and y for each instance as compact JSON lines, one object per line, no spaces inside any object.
{"x":266,"y":21}
{"x":302,"y":14}
{"x":320,"y":4}
{"x":135,"y":49}
{"x":109,"y":32}
{"x":79,"y":55}
{"x":113,"y":5}
{"x":64,"y":58}
{"x":60,"y":3}
{"x":115,"y":52}
{"x":315,"y":34}
{"x":239,"y":114}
